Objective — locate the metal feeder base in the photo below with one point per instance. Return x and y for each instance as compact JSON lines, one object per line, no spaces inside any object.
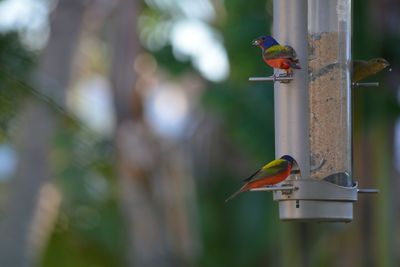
{"x":313,"y":210}
{"x":313,"y":200}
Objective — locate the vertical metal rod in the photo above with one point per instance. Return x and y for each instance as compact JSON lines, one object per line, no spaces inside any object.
{"x":291,"y":99}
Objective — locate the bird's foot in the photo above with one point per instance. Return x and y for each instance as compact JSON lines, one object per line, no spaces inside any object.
{"x":285,"y":75}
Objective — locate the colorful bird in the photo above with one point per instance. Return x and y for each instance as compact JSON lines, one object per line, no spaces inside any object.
{"x":277,"y":56}
{"x":363,"y":69}
{"x":271,"y":173}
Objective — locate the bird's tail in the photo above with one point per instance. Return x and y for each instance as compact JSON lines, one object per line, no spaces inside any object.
{"x":242,"y":189}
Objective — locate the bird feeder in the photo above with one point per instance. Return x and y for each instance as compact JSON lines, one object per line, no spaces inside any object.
{"x":313,"y":111}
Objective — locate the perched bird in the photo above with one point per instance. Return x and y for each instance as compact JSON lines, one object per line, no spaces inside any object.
{"x":363,"y":69}
{"x":277,"y":56}
{"x":271,"y":173}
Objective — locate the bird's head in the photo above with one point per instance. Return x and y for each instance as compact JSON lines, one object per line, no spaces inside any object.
{"x":289,"y":158}
{"x":381,"y":62}
{"x":265,"y":41}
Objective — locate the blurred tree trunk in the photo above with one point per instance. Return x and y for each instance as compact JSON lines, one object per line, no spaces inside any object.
{"x":27,"y":221}
{"x":153,"y":175}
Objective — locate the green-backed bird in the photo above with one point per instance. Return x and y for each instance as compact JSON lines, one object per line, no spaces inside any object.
{"x":277,"y":56}
{"x":271,"y":173}
{"x":363,"y":69}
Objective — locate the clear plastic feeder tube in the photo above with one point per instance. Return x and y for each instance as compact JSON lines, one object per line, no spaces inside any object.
{"x":329,"y":39}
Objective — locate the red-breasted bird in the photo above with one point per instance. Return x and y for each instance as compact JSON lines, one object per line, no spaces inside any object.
{"x":271,"y":173}
{"x":363,"y":69}
{"x":276,"y":55}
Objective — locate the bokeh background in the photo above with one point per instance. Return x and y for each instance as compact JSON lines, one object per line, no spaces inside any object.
{"x":124,"y":125}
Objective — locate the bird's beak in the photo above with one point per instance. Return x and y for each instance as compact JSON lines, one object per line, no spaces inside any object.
{"x":255,"y":42}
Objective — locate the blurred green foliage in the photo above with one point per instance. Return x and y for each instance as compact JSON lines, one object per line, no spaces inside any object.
{"x":89,"y":230}
{"x":16,"y":64}
{"x":247,"y":108}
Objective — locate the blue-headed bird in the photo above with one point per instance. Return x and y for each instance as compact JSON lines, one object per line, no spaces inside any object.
{"x":277,"y":56}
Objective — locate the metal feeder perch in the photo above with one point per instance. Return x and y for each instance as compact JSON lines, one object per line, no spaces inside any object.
{"x":313,"y":111}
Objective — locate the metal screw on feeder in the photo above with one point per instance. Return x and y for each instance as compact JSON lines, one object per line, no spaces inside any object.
{"x":313,"y":111}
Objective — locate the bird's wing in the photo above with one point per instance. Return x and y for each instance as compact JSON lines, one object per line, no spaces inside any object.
{"x":290,"y":51}
{"x":359,"y":67}
{"x":270,"y":169}
{"x":248,"y":179}
{"x":359,"y":64}
{"x":279,"y":51}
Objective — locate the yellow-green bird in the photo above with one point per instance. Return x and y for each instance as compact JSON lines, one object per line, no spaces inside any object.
{"x":363,"y":69}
